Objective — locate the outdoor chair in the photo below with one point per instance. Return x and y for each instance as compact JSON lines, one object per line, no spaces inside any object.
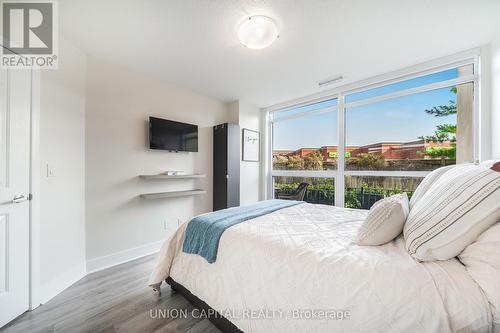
{"x":298,"y":194}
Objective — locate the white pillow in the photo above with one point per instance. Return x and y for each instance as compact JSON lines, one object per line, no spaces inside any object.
{"x":482,"y":261}
{"x":457,"y":208}
{"x":426,"y":183}
{"x":385,"y":220}
{"x":489,"y":163}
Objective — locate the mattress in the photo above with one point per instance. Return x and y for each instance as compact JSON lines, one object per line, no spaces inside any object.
{"x":299,"y":270}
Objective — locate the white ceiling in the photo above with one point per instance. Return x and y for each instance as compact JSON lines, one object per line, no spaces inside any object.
{"x":193,"y":43}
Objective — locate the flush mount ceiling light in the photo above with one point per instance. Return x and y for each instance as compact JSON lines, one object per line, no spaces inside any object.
{"x":257,"y":32}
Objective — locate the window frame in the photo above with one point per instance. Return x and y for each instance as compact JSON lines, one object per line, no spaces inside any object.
{"x":471,"y":57}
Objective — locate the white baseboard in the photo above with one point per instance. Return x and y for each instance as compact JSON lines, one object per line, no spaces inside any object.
{"x":54,"y":287}
{"x":100,"y":263}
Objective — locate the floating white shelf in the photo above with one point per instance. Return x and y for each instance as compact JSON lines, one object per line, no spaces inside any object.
{"x":172,"y":176}
{"x":171,"y":194}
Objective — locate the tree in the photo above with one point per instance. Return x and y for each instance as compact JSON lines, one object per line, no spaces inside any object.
{"x":442,"y":152}
{"x":447,"y":128}
{"x":370,"y":161}
{"x":280,"y":163}
{"x":444,"y":110}
{"x":444,"y":132}
{"x":295,"y":162}
{"x":313,"y":161}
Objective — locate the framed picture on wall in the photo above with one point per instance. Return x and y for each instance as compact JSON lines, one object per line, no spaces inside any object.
{"x":251,"y":145}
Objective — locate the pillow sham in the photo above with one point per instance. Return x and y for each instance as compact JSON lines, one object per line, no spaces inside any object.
{"x":488,"y":163}
{"x":457,"y":208}
{"x":482,"y":261}
{"x":426,"y":183}
{"x":385,"y":220}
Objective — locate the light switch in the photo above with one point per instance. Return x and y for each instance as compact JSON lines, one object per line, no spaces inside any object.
{"x":50,"y":171}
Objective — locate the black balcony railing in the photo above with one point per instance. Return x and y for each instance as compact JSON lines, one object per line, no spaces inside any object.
{"x":324,"y":197}
{"x":354,"y":197}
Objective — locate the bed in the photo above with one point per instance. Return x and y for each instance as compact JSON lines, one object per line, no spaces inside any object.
{"x":298,"y":269}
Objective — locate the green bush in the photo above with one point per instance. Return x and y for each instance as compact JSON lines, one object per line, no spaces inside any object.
{"x":351,"y":200}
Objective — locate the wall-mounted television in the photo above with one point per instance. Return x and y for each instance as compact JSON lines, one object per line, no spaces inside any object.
{"x":172,"y":135}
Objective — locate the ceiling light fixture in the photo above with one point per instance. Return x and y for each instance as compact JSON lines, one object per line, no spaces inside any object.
{"x":257,"y":32}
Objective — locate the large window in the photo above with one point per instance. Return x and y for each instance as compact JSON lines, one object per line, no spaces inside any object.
{"x":413,"y":132}
{"x":295,"y":147}
{"x":377,"y":141}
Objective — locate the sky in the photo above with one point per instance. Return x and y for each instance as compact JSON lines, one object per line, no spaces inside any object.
{"x":400,"y":119}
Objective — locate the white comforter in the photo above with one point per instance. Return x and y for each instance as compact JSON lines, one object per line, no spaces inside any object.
{"x":300,"y":260}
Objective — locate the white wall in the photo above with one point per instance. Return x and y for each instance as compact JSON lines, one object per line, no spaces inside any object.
{"x":233,"y":112}
{"x":120,"y":225}
{"x":495,"y":97}
{"x":62,"y":196}
{"x":249,"y":117}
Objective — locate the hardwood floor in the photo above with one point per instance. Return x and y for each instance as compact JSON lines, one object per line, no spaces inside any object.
{"x":113,"y":300}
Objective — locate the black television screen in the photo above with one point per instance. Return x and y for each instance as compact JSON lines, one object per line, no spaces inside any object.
{"x":172,"y":135}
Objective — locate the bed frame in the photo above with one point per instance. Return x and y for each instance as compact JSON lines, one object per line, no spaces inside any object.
{"x":219,"y":321}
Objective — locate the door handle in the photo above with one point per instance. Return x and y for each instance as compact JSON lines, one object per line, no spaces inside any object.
{"x":21,"y":198}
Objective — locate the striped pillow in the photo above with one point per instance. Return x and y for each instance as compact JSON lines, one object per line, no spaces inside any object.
{"x":459,"y":205}
{"x":424,"y":186}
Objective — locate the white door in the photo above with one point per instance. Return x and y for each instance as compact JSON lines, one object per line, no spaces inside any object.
{"x":15,"y":105}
